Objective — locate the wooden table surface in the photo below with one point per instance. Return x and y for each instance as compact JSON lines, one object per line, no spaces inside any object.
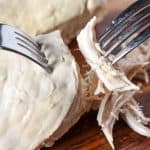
{"x":86,"y":134}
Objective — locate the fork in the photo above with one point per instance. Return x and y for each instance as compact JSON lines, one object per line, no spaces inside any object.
{"x":134,"y":20}
{"x":13,"y":39}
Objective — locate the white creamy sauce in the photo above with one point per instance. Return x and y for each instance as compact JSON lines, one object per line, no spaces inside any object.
{"x":34,"y":103}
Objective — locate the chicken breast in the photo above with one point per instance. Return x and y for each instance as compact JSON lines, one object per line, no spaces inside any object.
{"x":41,"y":16}
{"x":34,"y":103}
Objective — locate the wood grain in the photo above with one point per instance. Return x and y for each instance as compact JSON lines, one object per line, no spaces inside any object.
{"x":86,"y":134}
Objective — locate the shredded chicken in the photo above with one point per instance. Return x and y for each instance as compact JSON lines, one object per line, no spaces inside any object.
{"x":110,"y":77}
{"x":115,"y":83}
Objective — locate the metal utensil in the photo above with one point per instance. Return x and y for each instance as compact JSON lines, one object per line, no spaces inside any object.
{"x":15,"y":40}
{"x":135,"y":19}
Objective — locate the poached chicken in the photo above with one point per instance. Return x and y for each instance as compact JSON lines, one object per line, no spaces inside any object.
{"x":37,"y":108}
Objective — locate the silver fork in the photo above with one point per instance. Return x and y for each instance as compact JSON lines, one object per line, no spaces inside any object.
{"x":135,"y":19}
{"x":13,"y":39}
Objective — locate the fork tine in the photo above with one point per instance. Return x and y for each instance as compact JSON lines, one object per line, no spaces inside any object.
{"x":28,"y":38}
{"x":123,"y":16}
{"x":24,"y":39}
{"x":39,"y":57}
{"x":26,"y":46}
{"x":24,"y":42}
{"x":126,"y":25}
{"x":133,"y":44}
{"x":128,"y":34}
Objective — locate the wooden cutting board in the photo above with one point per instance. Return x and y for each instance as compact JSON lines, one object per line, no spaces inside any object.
{"x":86,"y":134}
